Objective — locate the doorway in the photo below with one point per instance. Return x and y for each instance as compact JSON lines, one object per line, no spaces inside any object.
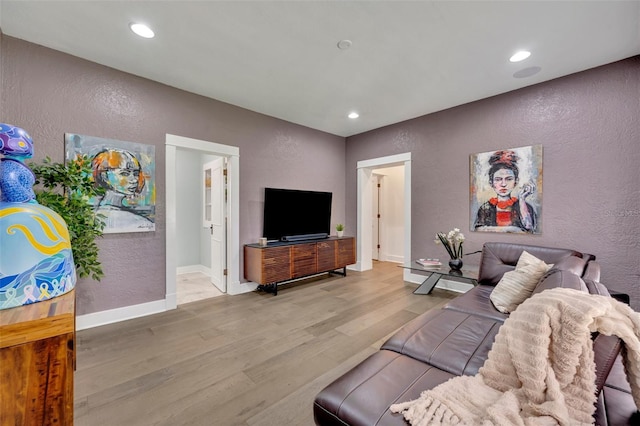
{"x":230,"y":240}
{"x":387,"y":243}
{"x":200,"y":226}
{"x":364,"y":239}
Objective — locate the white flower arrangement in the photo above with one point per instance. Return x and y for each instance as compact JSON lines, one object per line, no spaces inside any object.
{"x":452,"y":242}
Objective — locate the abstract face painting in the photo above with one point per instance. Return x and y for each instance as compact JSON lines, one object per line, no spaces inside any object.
{"x":126,"y":171}
{"x":506,"y":190}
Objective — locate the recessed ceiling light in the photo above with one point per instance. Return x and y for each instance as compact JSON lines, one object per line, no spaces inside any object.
{"x":353,"y":115}
{"x":520,"y":56}
{"x":142,"y":30}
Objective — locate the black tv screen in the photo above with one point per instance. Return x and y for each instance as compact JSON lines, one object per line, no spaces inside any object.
{"x":289,"y":212}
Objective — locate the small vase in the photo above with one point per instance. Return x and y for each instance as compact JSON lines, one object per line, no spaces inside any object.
{"x":340,"y":233}
{"x":455,"y":264}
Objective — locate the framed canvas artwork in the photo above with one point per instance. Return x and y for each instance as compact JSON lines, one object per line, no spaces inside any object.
{"x":126,"y":170}
{"x":506,"y":190}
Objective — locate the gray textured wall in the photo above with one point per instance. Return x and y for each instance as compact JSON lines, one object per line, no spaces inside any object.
{"x":589,"y":126}
{"x":189,"y":207}
{"x":49,"y":93}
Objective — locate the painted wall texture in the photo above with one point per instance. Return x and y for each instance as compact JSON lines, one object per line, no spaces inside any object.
{"x":188,"y":216}
{"x":589,"y":126}
{"x":49,"y":93}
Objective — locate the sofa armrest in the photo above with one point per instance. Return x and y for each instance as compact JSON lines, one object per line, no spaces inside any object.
{"x":605,"y":349}
{"x":621,"y":297}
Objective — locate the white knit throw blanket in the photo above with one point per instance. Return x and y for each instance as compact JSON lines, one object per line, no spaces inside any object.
{"x":540,"y":370}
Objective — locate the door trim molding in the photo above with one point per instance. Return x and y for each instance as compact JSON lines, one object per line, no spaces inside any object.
{"x":364,"y":238}
{"x":232,"y":153}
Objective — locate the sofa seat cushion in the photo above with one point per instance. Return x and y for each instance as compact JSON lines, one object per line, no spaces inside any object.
{"x":556,"y":278}
{"x":476,"y":301}
{"x":363,"y":395}
{"x":615,"y":406}
{"x":596,"y":287}
{"x":450,"y":340}
{"x":574,"y":264}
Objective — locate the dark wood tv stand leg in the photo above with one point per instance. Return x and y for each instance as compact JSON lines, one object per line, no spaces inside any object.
{"x":273,"y":288}
{"x":337,"y":272}
{"x":269,"y":288}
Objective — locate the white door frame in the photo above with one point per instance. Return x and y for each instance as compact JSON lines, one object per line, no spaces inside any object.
{"x":364,"y":238}
{"x":232,"y":153}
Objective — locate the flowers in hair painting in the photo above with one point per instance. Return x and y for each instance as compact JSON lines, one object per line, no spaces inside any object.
{"x":506,"y":190}
{"x":452,"y":242}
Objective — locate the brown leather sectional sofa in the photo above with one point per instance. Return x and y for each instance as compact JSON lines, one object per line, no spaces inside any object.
{"x":456,"y":339}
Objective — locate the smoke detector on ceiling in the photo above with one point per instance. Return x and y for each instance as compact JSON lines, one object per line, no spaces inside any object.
{"x":527,"y":72}
{"x":344,"y":44}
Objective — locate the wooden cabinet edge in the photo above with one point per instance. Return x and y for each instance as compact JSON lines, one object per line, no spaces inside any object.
{"x":254,"y":265}
{"x":37,"y":321}
{"x":38,"y":338}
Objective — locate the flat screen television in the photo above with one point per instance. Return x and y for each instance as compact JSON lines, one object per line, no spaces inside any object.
{"x":291,"y":214}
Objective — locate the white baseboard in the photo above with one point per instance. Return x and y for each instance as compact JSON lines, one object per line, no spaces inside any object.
{"x":171,"y":301}
{"x":239,"y":288}
{"x":393,"y":259}
{"x":193,"y":268}
{"x":360,"y":266}
{"x":97,"y":319}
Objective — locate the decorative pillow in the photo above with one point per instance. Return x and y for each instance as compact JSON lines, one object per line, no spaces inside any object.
{"x":527,"y":258}
{"x":517,"y":285}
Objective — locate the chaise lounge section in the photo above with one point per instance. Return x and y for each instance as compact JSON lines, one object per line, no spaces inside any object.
{"x":455,"y":340}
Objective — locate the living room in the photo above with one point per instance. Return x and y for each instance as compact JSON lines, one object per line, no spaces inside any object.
{"x":588,"y":124}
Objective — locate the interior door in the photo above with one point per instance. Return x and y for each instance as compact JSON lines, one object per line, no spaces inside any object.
{"x":215,"y":219}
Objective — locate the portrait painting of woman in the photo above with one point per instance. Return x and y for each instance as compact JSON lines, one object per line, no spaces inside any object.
{"x":126,"y":171}
{"x":120,"y":173}
{"x":506,"y":190}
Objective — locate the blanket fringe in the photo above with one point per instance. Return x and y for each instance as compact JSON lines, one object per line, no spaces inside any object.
{"x":426,"y":411}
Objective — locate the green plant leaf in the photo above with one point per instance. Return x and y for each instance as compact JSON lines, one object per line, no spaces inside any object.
{"x":66,"y":189}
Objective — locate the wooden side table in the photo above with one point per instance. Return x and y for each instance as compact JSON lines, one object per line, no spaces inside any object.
{"x":37,"y":360}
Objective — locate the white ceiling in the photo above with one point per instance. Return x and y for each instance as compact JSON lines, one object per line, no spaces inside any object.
{"x":280,"y":58}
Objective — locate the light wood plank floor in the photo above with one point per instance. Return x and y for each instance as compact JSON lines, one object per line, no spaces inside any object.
{"x":252,"y":359}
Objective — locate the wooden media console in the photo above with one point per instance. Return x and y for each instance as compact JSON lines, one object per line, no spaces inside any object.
{"x":284,"y":261}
